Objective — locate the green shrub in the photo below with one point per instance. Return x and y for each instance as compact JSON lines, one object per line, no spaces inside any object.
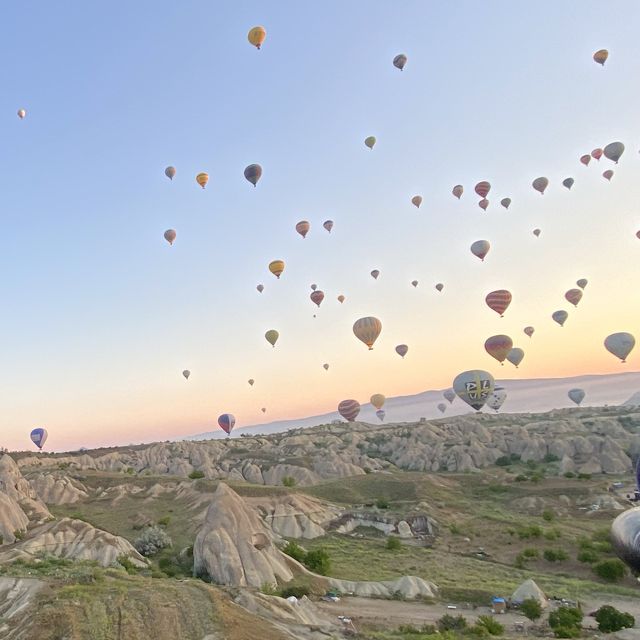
{"x":451,"y":623}
{"x":565,"y":618}
{"x":298,"y":591}
{"x":552,"y":534}
{"x":536,"y":477}
{"x":531,"y":608}
{"x":555,"y":555}
{"x":531,"y":464}
{"x":393,"y":544}
{"x":382,"y":503}
{"x":455,"y":529}
{"x":163,"y":522}
{"x":152,"y":540}
{"x":295,"y":551}
{"x":289,"y":481}
{"x":503,"y":461}
{"x":569,"y":474}
{"x":548,"y":515}
{"x":521,"y":478}
{"x":126,"y":563}
{"x":408,"y":629}
{"x":550,"y":457}
{"x":566,"y":632}
{"x":18,"y":534}
{"x":602,"y":547}
{"x":530,"y":553}
{"x":587,"y":555}
{"x":584,"y":476}
{"x":610,"y":619}
{"x":196,"y":474}
{"x":611,"y":570}
{"x":515,"y":457}
{"x":491,"y":624}
{"x":532,"y":531}
{"x":520,"y":561}
{"x":269,"y":589}
{"x":318,"y":561}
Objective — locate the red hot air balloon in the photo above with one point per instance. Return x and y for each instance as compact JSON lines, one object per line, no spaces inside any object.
{"x":483,"y":188}
{"x":597,"y":153}
{"x":498,"y":347}
{"x":499,"y":301}
{"x":585,"y":159}
{"x":349,"y":409}
{"x":573,"y":296}
{"x":608,"y":174}
{"x":317,"y":297}
{"x":402,"y":350}
{"x":483,"y":204}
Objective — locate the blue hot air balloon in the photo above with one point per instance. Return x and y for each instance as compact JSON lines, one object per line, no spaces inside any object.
{"x":39,"y":437}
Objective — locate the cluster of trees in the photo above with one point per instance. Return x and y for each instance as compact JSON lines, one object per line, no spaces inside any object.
{"x":317,"y":560}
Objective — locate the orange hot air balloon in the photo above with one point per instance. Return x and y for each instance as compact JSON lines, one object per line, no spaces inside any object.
{"x":416,"y":201}
{"x":597,"y":153}
{"x":483,"y":188}
{"x":402,"y":350}
{"x":483,"y":204}
{"x":303,"y":228}
{"x":367,"y":330}
{"x":601,"y":56}
{"x":498,"y":347}
{"x":498,"y":301}
{"x":608,"y":174}
{"x":276,"y":267}
{"x":573,"y":296}
{"x":529,"y":331}
{"x":202,"y":179}
{"x":585,"y":159}
{"x":317,"y":297}
{"x":439,"y":286}
{"x":341,"y":298}
{"x":170,"y":236}
{"x":457,"y":191}
{"x":256,"y":36}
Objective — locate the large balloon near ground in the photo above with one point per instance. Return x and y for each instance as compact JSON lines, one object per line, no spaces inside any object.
{"x":276,"y":267}
{"x":474,"y":387}
{"x":402,"y":350}
{"x":170,"y":172}
{"x":349,"y":409}
{"x":170,"y":235}
{"x":498,"y":347}
{"x":560,"y":317}
{"x":498,"y":301}
{"x":614,"y":151}
{"x":573,"y":296}
{"x":399,"y":61}
{"x":625,"y":537}
{"x":480,"y":248}
{"x":515,"y":356}
{"x":39,"y":437}
{"x":601,"y":56}
{"x":328,"y":225}
{"x":576,"y":395}
{"x":370,"y":141}
{"x":253,"y":173}
{"x":202,"y":179}
{"x":483,"y":188}
{"x":497,"y":398}
{"x":256,"y":36}
{"x":620,"y":344}
{"x":226,"y":422}
{"x":367,"y":330}
{"x":303,"y":228}
{"x":540,"y":184}
{"x":271,"y":337}
{"x":416,"y":201}
{"x":377,"y":400}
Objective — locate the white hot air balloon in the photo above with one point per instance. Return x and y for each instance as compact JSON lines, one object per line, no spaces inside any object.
{"x":497,"y":398}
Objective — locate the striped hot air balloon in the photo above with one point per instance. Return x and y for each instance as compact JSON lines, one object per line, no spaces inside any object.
{"x":39,"y":437}
{"x":202,"y":179}
{"x":367,"y":330}
{"x":226,"y":422}
{"x":276,"y":267}
{"x":303,"y":228}
{"x":349,"y":409}
{"x":499,"y":301}
{"x":483,"y":188}
{"x":498,"y":347}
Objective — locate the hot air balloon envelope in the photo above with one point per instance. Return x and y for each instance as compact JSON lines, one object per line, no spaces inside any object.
{"x":256,"y":36}
{"x":576,"y":395}
{"x":560,"y":317}
{"x":271,"y":337}
{"x":349,"y":409}
{"x":377,"y":400}
{"x":497,"y":398}
{"x":370,"y":141}
{"x":498,"y":300}
{"x":39,"y":437}
{"x":226,"y":422}
{"x":402,"y":350}
{"x":498,"y":347}
{"x":515,"y":356}
{"x":540,"y":184}
{"x":620,"y":344}
{"x":367,"y":330}
{"x":170,"y":172}
{"x":253,"y":173}
{"x":614,"y":151}
{"x":480,"y":248}
{"x":328,"y":225}
{"x":474,"y":387}
{"x":276,"y":267}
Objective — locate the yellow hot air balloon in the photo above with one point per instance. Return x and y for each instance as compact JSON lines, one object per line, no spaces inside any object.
{"x":276,"y":267}
{"x":202,"y":179}
{"x":367,"y":330}
{"x":601,"y":56}
{"x":377,"y":400}
{"x":271,"y":337}
{"x":256,"y":36}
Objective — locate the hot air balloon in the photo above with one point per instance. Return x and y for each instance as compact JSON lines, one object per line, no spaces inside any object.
{"x":170,"y":235}
{"x":416,"y":201}
{"x":349,"y":409}
{"x":540,"y":184}
{"x":497,"y":398}
{"x":264,"y":409}
{"x":498,"y":301}
{"x":474,"y":387}
{"x":39,"y":437}
{"x":226,"y":422}
{"x":576,"y":395}
{"x":380,"y":414}
{"x":260,"y":288}
{"x":582,"y":283}
{"x":529,"y":331}
{"x":317,"y":297}
{"x":515,"y":356}
{"x":328,"y":225}
{"x":568,"y":183}
{"x":560,"y":317}
{"x":505,"y":202}
{"x":597,"y":153}
{"x":449,"y":395}
{"x":498,"y":347}
{"x":271,"y":337}
{"x":414,"y":283}
{"x":613,"y":151}
{"x":253,"y":173}
{"x":585,"y":159}
{"x":22,"y":113}
{"x":442,"y":407}
{"x":573,"y":296}
{"x":483,"y":188}
{"x":480,"y":248}
{"x":370,"y":141}
{"x":276,"y":267}
{"x":326,"y":366}
{"x":341,"y":298}
{"x":314,"y":287}
{"x":608,"y":174}
{"x":601,"y":56}
{"x":251,"y":382}
{"x":620,"y":344}
{"x":202,"y":179}
{"x":537,"y":232}
{"x":186,"y":373}
{"x":375,"y":273}
{"x":399,"y":61}
{"x":402,"y":350}
{"x":638,"y":235}
{"x":439,"y":286}
{"x":303,"y":228}
{"x":377,"y":400}
{"x":367,"y":330}
{"x":483,"y":204}
{"x":457,"y":191}
{"x":256,"y":36}
{"x":170,"y":172}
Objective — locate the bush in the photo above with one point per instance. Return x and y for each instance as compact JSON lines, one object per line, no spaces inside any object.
{"x":565,"y":619}
{"x":520,"y":561}
{"x":451,"y":623}
{"x":552,"y":534}
{"x":610,"y":619}
{"x":521,"y":478}
{"x":295,"y":551}
{"x":569,"y":474}
{"x":163,"y":522}
{"x":408,"y":629}
{"x":548,"y":515}
{"x":536,"y":477}
{"x":382,"y":503}
{"x":491,"y":624}
{"x":531,"y":608}
{"x":393,"y":544}
{"x":289,"y":481}
{"x":554,"y":555}
{"x":610,"y":570}
{"x":531,"y":464}
{"x":297,"y":591}
{"x":587,"y":555}
{"x":530,"y":553}
{"x":566,"y":632}
{"x":126,"y":563}
{"x":318,"y":561}
{"x":455,"y":529}
{"x":503,"y":461}
{"x":584,"y":476}
{"x":196,"y":474}
{"x":532,"y":531}
{"x":18,"y":534}
{"x":151,"y":541}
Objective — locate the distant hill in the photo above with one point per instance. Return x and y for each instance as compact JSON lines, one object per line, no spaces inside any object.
{"x":633,"y":401}
{"x":533,"y":395}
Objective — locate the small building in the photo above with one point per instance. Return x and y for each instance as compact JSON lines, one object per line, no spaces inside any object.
{"x":498,"y":605}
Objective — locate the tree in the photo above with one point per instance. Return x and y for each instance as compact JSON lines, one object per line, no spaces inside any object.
{"x":393,"y":544}
{"x":318,"y":561}
{"x":610,"y":570}
{"x":451,"y":623}
{"x":566,"y":622}
{"x":289,"y":481}
{"x":610,"y":619}
{"x":295,"y":551}
{"x":491,"y":625}
{"x":531,"y":608}
{"x":152,"y":540}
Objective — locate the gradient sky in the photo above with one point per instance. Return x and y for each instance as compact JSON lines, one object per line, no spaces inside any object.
{"x":100,"y":315}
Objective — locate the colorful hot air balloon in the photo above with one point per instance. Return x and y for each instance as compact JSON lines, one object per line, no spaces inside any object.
{"x":325,"y":366}
{"x":170,"y":172}
{"x":601,"y":56}
{"x":349,"y":409}
{"x":483,"y":188}
{"x":375,"y":273}
{"x":251,"y":382}
{"x":483,"y":204}
{"x":367,"y":330}
{"x":608,"y":174}
{"x":573,"y":296}
{"x":515,"y":356}
{"x":170,"y":235}
{"x":540,"y":184}
{"x":39,"y":437}
{"x":585,"y":159}
{"x":377,"y":400}
{"x":341,"y":298}
{"x":271,"y":337}
{"x":328,"y":225}
{"x":439,"y":286}
{"x":253,"y":173}
{"x":505,"y":202}
{"x":260,"y":288}
{"x":442,"y":407}
{"x":303,"y":228}
{"x":614,"y":151}
{"x":474,"y":387}
{"x":480,"y":248}
{"x":529,"y":331}
{"x":597,"y":153}
{"x":576,"y":395}
{"x":226,"y":422}
{"x":22,"y":113}
{"x":370,"y":141}
{"x":537,"y":232}
{"x":620,"y":344}
{"x":582,"y":283}
{"x":256,"y":36}
{"x":498,"y":301}
{"x":498,"y":347}
{"x":560,"y":317}
{"x":399,"y":61}
{"x":186,"y":373}
{"x":317,"y":297}
{"x":380,"y":414}
{"x":416,"y":201}
{"x":402,"y":350}
{"x":457,"y":191}
{"x":497,"y":398}
{"x":449,"y":395}
{"x":276,"y":267}
{"x":202,"y":179}
{"x":568,"y":183}
{"x":414,"y":283}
